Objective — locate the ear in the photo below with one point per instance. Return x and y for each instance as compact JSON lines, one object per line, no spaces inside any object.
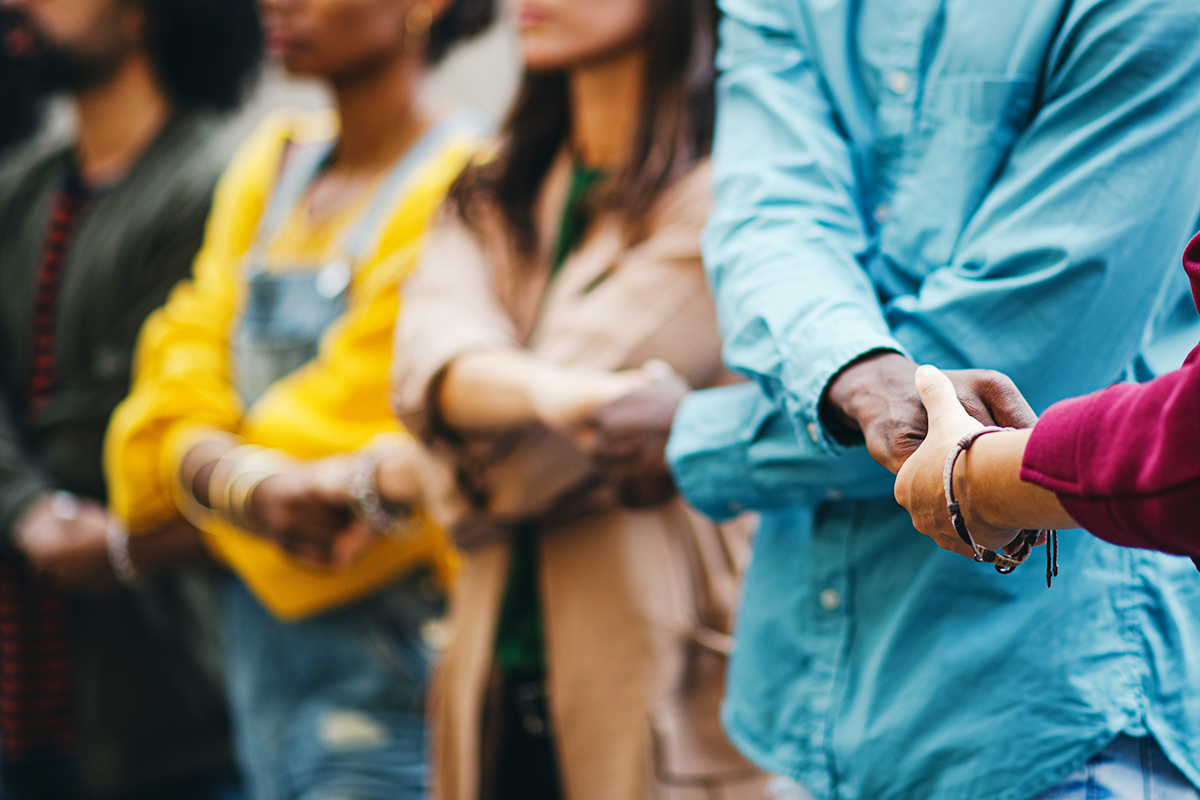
{"x":134,"y":23}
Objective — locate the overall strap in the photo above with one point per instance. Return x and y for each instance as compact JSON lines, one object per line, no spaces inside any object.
{"x":362,"y":238}
{"x":301,"y":164}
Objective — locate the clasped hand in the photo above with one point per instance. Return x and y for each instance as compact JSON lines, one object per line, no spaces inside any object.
{"x":879,"y":396}
{"x":622,"y":420}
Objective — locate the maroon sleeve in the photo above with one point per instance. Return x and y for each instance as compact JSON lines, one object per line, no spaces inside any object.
{"x":1125,"y":461}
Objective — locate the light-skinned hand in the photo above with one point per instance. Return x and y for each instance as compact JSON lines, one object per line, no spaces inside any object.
{"x":920,"y":486}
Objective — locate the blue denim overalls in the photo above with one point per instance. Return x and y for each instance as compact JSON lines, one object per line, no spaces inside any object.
{"x":330,"y":707}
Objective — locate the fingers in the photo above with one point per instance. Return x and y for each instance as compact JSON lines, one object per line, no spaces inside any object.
{"x":940,"y":398}
{"x":1009,"y":407}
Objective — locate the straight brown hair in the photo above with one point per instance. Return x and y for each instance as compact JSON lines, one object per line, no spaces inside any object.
{"x":674,"y":132}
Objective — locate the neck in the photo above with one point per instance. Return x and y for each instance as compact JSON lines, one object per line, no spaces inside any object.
{"x":606,"y":105}
{"x":379,"y":115}
{"x":118,"y":120}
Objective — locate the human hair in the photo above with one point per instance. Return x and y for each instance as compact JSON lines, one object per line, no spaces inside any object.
{"x":21,"y":99}
{"x":207,"y":52}
{"x":675,"y":129}
{"x":462,"y":20}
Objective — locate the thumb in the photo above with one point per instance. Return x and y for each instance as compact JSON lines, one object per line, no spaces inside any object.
{"x":939,"y":397}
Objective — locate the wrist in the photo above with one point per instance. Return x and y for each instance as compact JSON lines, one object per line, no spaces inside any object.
{"x":120,"y":555}
{"x":991,"y":479}
{"x":862,"y":390}
{"x":388,"y":508}
{"x":397,"y":480}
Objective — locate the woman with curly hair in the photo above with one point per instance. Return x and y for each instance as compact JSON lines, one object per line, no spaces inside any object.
{"x":259,"y":405}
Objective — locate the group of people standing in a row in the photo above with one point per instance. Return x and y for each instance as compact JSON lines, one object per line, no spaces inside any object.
{"x":263,"y":416}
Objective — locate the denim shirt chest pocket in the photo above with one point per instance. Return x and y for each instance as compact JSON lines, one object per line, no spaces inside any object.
{"x":967,"y":127}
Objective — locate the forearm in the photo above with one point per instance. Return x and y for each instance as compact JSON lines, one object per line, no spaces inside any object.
{"x":489,"y":390}
{"x":175,"y":545}
{"x":988,"y":484}
{"x":495,"y":389}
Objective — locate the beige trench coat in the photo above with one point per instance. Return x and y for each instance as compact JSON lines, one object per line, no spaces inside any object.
{"x":637,"y":604}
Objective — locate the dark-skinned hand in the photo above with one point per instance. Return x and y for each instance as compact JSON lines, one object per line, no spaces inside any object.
{"x":877,"y":396}
{"x":67,"y":545}
{"x":628,"y":438}
{"x":307,"y":510}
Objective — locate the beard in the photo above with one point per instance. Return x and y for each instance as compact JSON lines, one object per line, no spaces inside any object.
{"x":23,"y":94}
{"x":34,"y":68}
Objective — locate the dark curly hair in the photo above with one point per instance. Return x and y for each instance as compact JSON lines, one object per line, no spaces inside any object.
{"x":461,"y":21}
{"x":207,"y":52}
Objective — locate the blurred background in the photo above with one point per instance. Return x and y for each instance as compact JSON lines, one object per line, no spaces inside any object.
{"x":481,"y":74}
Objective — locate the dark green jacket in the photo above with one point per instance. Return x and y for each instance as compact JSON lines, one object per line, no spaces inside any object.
{"x":151,"y":710}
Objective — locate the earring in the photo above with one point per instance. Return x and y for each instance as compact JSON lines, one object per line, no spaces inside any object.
{"x":419,"y":20}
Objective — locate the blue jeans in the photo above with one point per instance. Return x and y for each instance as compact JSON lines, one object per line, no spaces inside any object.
{"x":1128,"y":769}
{"x":332,"y":707}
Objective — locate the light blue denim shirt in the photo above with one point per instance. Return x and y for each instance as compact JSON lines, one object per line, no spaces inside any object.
{"x":975,"y":183}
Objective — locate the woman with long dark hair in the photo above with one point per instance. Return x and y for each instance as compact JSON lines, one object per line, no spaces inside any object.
{"x":259,"y":405}
{"x":557,"y":317}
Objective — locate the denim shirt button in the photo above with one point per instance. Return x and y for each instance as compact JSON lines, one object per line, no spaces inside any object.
{"x":734,"y":507}
{"x":814,"y":431}
{"x":899,"y":82}
{"x":834,"y":495}
{"x":882,"y":213}
{"x":830,"y":599}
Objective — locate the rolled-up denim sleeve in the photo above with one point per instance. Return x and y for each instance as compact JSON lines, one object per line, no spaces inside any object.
{"x":732,"y":450}
{"x":1064,"y":267}
{"x":784,"y":242}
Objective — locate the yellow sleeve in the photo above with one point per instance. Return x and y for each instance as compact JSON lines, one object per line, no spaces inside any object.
{"x":181,"y":364}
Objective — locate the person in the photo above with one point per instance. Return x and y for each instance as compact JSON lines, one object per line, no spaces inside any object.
{"x":109,"y":684}
{"x":901,"y":182}
{"x":592,"y":615}
{"x":259,"y":405}
{"x":1120,"y":462}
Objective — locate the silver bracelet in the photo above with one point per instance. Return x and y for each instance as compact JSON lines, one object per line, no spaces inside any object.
{"x":363,"y":486}
{"x":116,"y":538}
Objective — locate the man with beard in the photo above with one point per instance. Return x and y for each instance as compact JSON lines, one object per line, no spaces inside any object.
{"x":108,"y":687}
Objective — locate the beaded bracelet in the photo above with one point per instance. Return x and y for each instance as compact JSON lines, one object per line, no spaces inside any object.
{"x":1004,"y":561}
{"x":362,"y":483}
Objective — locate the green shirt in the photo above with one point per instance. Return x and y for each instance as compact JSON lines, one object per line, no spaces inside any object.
{"x":520,"y":637}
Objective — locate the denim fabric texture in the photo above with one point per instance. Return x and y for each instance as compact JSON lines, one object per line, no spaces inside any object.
{"x":332,"y":707}
{"x":997,"y":185}
{"x":1128,"y":769}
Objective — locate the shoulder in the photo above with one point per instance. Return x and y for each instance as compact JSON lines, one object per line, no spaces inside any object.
{"x":256,"y":159}
{"x":685,"y":203}
{"x":30,"y":164}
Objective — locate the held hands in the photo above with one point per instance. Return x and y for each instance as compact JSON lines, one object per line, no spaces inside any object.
{"x":622,"y":420}
{"x":307,"y":510}
{"x":629,"y":435}
{"x":566,"y":399}
{"x":920,"y":482}
{"x":877,"y":395}
{"x":64,"y":539}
